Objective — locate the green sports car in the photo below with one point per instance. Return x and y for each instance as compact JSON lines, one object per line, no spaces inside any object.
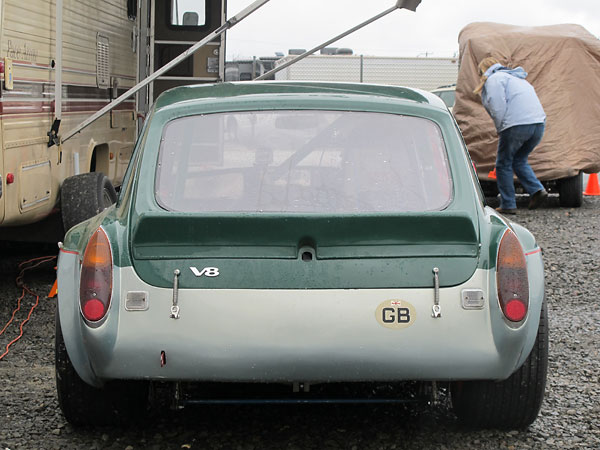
{"x":295,"y":241}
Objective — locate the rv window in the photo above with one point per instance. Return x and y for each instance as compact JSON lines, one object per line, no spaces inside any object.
{"x":188,"y":13}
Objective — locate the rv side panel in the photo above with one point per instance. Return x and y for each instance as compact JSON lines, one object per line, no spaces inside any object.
{"x":98,"y":64}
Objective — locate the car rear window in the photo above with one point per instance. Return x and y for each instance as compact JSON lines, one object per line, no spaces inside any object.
{"x":302,"y":161}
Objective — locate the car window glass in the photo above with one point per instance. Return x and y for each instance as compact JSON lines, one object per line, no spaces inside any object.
{"x":449,"y":98}
{"x":303,"y":161}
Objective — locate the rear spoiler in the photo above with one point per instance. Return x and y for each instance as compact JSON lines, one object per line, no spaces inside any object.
{"x":169,"y":235}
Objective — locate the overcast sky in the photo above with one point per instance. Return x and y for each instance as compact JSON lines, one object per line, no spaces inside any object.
{"x":433,"y":29}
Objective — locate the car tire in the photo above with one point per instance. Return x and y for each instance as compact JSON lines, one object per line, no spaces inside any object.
{"x":117,"y":403}
{"x":570,"y":191}
{"x":83,"y":196}
{"x":513,"y":403}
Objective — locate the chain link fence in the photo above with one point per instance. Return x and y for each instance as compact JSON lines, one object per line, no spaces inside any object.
{"x":421,"y":73}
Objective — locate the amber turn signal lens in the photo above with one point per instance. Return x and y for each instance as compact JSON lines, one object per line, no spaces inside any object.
{"x":96,"y":277}
{"x":511,"y":278}
{"x":97,"y":252}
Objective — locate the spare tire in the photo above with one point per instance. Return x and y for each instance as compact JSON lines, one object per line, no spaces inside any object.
{"x":83,"y":196}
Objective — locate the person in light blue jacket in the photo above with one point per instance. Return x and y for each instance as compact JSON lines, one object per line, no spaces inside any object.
{"x":520,"y":121}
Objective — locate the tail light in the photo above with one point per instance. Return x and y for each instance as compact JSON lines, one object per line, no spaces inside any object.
{"x":96,"y":277}
{"x":511,"y":277}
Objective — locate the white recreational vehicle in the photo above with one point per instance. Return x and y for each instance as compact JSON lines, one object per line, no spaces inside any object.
{"x":60,"y":62}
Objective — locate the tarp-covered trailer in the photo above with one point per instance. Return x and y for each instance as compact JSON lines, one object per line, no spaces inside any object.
{"x":563,"y":63}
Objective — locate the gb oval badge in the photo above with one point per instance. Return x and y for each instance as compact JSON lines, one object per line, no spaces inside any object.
{"x":395,"y":314}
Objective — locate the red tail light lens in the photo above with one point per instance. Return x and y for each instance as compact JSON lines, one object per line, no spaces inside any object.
{"x":511,"y":277}
{"x":96,"y":277}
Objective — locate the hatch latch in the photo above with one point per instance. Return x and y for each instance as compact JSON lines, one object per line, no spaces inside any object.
{"x":436,"y":310}
{"x":175,"y":306}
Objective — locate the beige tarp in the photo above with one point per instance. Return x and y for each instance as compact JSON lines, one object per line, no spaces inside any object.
{"x":563,"y":63}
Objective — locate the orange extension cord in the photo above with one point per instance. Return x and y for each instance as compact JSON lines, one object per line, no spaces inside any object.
{"x":20,"y":282}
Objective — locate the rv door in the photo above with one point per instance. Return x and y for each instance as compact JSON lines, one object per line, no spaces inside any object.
{"x":179,"y":24}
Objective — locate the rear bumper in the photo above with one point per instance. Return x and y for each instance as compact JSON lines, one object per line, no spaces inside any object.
{"x":301,"y":335}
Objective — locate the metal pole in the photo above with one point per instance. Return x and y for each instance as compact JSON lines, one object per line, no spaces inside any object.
{"x":407,"y":4}
{"x":58,"y":62}
{"x":190,"y":51}
{"x":361,"y":68}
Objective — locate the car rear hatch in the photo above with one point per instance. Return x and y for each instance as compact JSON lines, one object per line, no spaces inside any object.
{"x":287,"y":251}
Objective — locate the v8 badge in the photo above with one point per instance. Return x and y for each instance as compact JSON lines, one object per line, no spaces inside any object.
{"x":207,"y":271}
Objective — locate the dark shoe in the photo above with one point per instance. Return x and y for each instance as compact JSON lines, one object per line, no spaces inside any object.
{"x":511,"y":211}
{"x":538,"y":198}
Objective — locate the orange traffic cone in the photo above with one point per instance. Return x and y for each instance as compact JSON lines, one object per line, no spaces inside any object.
{"x":593,"y":188}
{"x":53,"y":291}
{"x":492,"y":174}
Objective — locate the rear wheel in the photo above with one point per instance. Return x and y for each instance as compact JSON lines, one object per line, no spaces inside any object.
{"x":117,"y":403}
{"x":570,"y":190}
{"x":512,"y":403}
{"x":83,"y":196}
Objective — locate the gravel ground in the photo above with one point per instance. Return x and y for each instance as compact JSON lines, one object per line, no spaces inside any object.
{"x":30,"y":417}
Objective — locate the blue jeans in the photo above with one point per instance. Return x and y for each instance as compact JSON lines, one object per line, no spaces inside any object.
{"x":514,"y":146}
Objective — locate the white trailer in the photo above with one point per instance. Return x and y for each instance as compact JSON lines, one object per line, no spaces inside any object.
{"x":91,"y":61}
{"x":61,"y":61}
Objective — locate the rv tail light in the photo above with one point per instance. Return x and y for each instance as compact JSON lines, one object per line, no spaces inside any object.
{"x":511,"y":277}
{"x":96,"y":277}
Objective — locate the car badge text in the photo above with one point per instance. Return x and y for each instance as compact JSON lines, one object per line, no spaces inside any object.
{"x":207,"y":271}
